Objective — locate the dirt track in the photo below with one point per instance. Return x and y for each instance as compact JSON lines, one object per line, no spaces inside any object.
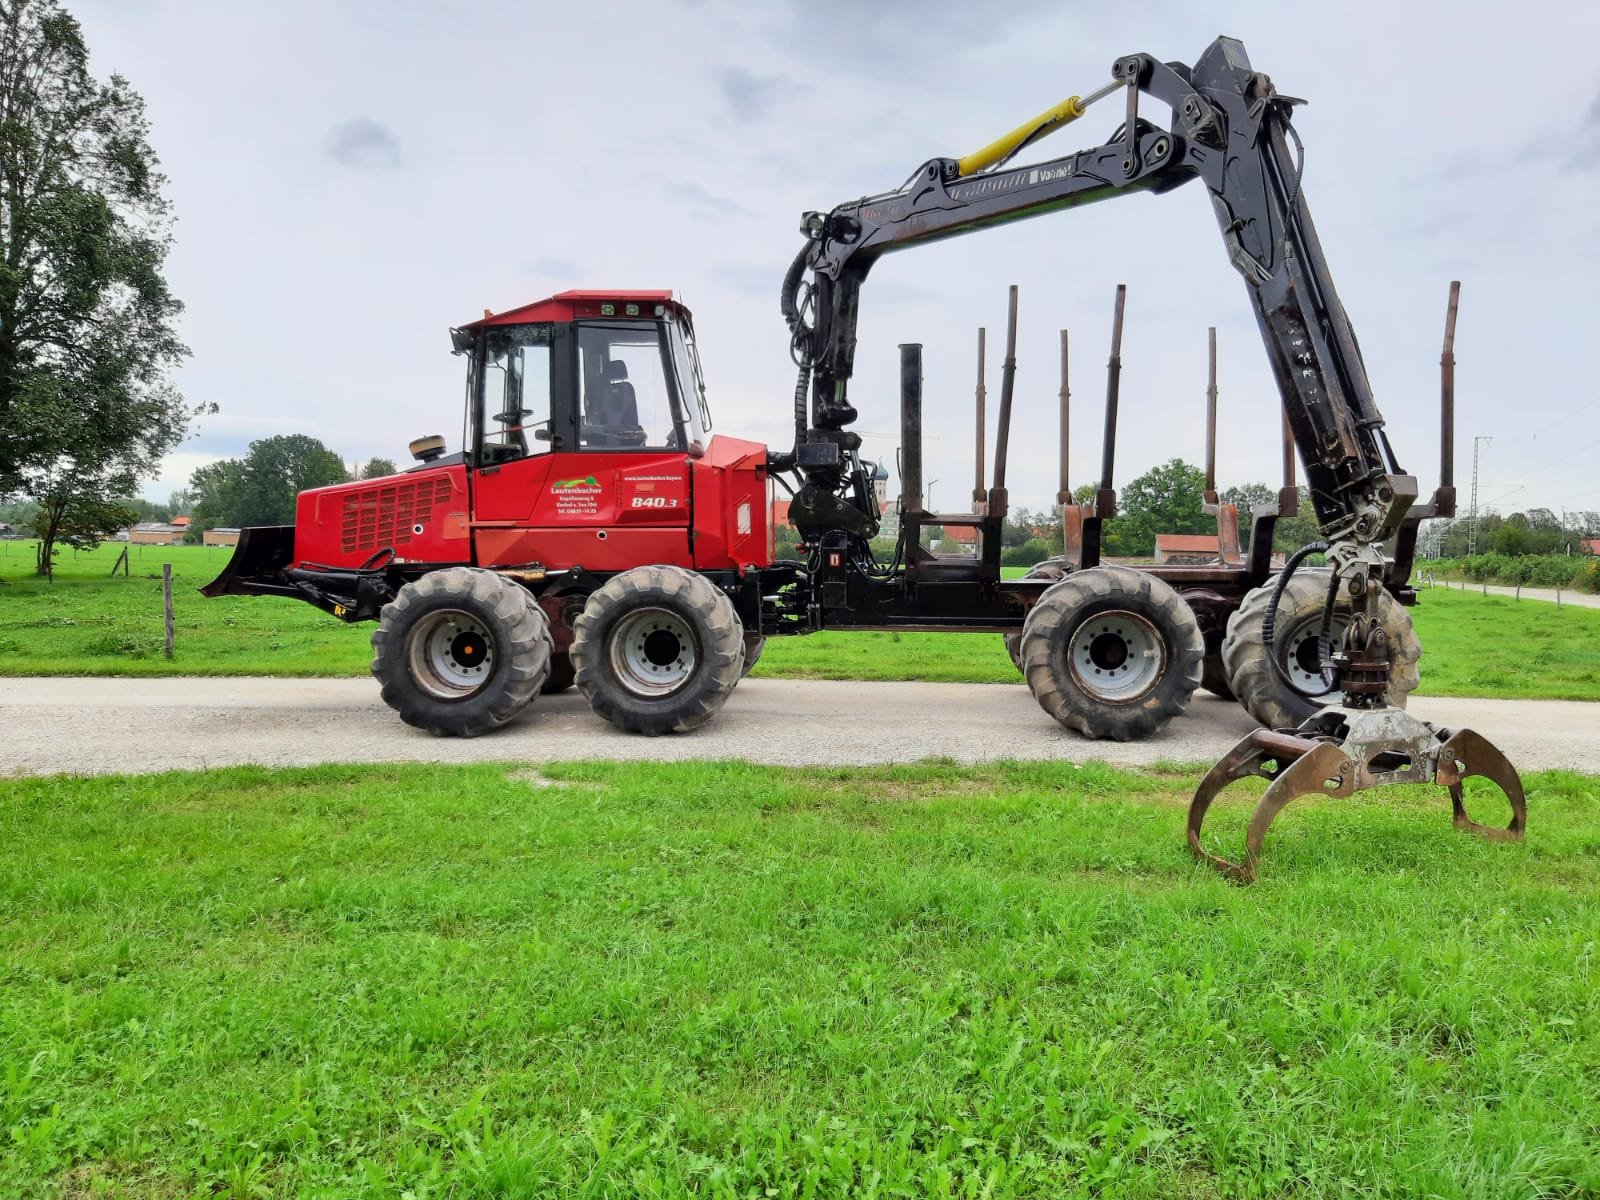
{"x":109,"y":725}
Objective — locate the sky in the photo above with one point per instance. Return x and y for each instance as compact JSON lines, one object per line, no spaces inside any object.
{"x":353,"y":177}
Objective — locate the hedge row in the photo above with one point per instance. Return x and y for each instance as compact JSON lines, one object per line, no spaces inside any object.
{"x":1580,"y":572}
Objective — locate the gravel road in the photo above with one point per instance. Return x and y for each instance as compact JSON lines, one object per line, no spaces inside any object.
{"x":133,"y":725}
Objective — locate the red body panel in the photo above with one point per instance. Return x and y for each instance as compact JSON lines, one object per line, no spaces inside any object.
{"x":603,"y":510}
{"x":421,"y":515}
{"x":730,"y":506}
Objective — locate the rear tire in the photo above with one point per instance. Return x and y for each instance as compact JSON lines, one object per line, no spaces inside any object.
{"x":1053,"y":569}
{"x":1112,"y":653}
{"x":461,"y":651}
{"x":1263,"y":692}
{"x":657,"y":650}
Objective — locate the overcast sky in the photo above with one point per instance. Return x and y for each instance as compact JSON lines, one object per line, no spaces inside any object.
{"x":353,"y":178}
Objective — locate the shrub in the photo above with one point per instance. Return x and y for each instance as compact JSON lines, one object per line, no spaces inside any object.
{"x":1031,"y":551}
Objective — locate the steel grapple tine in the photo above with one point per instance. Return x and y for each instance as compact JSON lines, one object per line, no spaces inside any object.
{"x":1466,"y":753}
{"x":1249,"y":757}
{"x":1323,"y":771}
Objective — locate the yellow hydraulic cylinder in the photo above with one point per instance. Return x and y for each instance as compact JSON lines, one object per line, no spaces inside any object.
{"x":1047,"y":122}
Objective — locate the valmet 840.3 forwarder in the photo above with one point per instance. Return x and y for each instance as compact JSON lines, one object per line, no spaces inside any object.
{"x":591,"y":529}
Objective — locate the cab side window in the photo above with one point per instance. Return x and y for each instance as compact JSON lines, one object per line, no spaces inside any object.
{"x":624,"y":402}
{"x":516,"y":393}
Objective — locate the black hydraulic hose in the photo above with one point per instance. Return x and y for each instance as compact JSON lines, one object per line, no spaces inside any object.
{"x":792,"y":315}
{"x":800,"y":350}
{"x":1325,"y":638}
{"x":1270,"y":620}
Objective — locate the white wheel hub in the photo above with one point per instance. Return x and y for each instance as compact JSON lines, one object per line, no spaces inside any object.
{"x":654,"y":651}
{"x":451,"y":654}
{"x":1116,"y":656}
{"x":1300,"y":658}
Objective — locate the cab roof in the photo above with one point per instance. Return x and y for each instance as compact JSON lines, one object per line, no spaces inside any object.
{"x":574,"y":305}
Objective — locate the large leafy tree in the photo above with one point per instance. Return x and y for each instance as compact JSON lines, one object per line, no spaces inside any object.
{"x":1165,"y":499}
{"x":260,"y":488}
{"x":86,"y":318}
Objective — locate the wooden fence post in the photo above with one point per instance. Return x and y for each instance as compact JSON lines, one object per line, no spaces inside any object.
{"x":166,"y":601}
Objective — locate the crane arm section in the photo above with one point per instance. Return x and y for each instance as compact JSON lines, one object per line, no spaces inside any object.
{"x":1227,"y":127}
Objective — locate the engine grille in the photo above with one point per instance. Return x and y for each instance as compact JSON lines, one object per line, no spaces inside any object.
{"x":384,"y":516}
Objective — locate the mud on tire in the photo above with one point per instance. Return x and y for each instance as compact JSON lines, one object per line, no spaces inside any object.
{"x":1112,"y":653}
{"x":460,"y":651}
{"x":657,"y":650}
{"x":1263,"y":692}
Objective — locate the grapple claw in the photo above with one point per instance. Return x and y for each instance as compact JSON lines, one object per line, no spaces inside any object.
{"x":1341,"y":751}
{"x":1262,"y":753}
{"x":1466,"y":753}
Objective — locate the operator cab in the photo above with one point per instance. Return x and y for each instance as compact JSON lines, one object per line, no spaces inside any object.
{"x":608,"y":371}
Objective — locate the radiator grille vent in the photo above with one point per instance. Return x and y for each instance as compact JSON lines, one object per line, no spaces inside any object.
{"x":383,"y":516}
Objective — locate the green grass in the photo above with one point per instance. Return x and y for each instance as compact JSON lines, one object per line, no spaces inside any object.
{"x":89,"y":624}
{"x":723,"y":980}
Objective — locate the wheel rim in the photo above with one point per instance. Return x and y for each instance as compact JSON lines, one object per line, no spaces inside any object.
{"x":1116,"y":656}
{"x":452,"y":655}
{"x":654,"y":652}
{"x":1300,"y":657}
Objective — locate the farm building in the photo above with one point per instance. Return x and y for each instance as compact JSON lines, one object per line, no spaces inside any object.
{"x":153,"y":533}
{"x":220,"y":537}
{"x":1199,"y":548}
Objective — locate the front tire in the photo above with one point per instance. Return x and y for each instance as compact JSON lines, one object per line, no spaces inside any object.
{"x":1112,"y":653}
{"x":460,"y":651}
{"x":1263,"y":692}
{"x":657,"y":650}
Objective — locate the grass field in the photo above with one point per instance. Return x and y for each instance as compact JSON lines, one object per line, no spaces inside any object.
{"x":89,"y":624}
{"x":723,"y":980}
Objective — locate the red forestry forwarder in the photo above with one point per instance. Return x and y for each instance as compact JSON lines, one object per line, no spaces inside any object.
{"x":592,"y":530}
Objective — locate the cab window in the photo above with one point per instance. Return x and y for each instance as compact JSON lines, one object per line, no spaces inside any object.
{"x":516,"y":393}
{"x":625,"y":399}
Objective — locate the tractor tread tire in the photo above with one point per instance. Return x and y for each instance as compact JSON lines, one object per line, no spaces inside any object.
{"x":1265,"y":695}
{"x":522,"y":649}
{"x":716,"y":626}
{"x":1048,"y":631}
{"x":1055,"y":569}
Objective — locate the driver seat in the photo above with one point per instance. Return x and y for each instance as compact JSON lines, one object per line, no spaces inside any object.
{"x":614,"y":418}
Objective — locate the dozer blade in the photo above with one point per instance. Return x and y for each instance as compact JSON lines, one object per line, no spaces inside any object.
{"x":263,"y":551}
{"x":1341,"y":751}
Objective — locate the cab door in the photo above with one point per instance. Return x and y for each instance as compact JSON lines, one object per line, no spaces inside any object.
{"x":621,"y":497}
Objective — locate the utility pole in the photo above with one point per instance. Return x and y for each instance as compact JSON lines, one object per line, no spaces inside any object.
{"x":1472,"y":530}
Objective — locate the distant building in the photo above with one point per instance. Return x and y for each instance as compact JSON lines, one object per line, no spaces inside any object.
{"x":153,"y":533}
{"x":1591,"y":546}
{"x":1191,"y":548}
{"x":220,"y":537}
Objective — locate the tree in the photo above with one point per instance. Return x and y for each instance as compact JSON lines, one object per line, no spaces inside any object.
{"x":377,"y":468}
{"x":79,"y":521}
{"x":1165,"y":499}
{"x":1247,"y":496}
{"x":260,"y":488}
{"x":86,"y":318}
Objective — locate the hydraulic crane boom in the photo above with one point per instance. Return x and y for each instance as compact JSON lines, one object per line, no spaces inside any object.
{"x":1230,"y":129}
